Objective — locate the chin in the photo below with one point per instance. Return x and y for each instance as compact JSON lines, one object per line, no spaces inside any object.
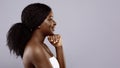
{"x":50,"y":33}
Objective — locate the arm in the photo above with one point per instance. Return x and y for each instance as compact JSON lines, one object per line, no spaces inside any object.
{"x":57,"y":42}
{"x":60,"y":56}
{"x":39,"y":60}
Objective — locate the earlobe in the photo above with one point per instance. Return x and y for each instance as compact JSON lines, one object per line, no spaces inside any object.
{"x":39,"y":27}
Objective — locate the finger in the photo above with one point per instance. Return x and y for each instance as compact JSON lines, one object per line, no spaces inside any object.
{"x":50,"y":39}
{"x":57,"y":38}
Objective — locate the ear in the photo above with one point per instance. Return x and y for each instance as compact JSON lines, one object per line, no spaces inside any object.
{"x":39,"y":27}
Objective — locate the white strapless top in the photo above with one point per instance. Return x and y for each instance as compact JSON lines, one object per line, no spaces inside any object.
{"x":54,"y":62}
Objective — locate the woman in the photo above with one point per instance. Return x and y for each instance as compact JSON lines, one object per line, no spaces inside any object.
{"x":26,"y":39}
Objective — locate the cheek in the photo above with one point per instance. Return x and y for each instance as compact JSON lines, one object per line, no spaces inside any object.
{"x":47,"y":26}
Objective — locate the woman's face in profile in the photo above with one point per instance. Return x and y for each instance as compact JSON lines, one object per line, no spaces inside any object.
{"x":48,"y":26}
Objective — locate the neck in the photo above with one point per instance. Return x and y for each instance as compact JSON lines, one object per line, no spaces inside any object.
{"x":38,"y":37}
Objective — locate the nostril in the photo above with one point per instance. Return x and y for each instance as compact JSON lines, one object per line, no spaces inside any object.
{"x":54,"y":23}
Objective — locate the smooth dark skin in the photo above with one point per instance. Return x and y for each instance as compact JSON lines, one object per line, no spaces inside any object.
{"x":37,"y":54}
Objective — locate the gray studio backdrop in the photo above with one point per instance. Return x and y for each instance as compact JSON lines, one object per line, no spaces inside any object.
{"x":90,"y":31}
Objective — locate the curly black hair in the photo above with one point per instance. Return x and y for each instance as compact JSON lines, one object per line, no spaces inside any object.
{"x":20,"y":33}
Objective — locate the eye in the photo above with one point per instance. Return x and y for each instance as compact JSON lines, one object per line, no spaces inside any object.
{"x":49,"y":19}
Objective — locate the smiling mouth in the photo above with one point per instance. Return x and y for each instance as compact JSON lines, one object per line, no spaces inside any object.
{"x":53,"y":28}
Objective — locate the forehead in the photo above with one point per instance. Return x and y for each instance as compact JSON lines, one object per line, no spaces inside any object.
{"x":50,"y":14}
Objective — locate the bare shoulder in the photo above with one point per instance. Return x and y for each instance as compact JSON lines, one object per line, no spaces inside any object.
{"x":33,"y":50}
{"x":38,"y":57}
{"x":32,"y":53}
{"x":37,"y":51}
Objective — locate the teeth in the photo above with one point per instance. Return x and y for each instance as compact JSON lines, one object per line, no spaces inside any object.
{"x":52,"y":29}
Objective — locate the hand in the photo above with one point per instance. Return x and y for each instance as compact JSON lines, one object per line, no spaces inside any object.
{"x":55,"y":40}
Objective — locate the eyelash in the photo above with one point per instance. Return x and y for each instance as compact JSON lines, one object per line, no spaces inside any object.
{"x":50,"y":19}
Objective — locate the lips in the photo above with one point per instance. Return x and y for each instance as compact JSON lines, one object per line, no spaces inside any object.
{"x":53,"y":28}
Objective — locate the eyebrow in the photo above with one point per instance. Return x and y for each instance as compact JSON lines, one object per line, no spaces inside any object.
{"x":50,"y":16}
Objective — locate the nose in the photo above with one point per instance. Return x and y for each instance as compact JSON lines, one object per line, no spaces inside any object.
{"x":54,"y":23}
